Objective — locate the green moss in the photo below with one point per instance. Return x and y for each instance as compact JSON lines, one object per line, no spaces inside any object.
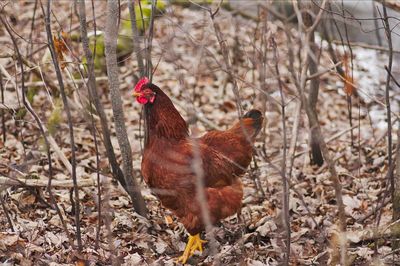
{"x":91,"y":108}
{"x":395,"y":229}
{"x":124,"y":41}
{"x":31,"y":92}
{"x":55,"y":117}
{"x":20,"y":114}
{"x":98,"y":43}
{"x":187,"y":3}
{"x":41,"y":144}
{"x":34,"y":175}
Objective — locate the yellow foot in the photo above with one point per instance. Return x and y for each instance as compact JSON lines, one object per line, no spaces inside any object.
{"x":194,"y":243}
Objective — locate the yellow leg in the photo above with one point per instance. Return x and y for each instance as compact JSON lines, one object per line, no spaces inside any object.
{"x":194,"y":243}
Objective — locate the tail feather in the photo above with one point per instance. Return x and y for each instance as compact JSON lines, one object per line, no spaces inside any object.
{"x":257,"y":118}
{"x":250,"y":123}
{"x":255,"y":114}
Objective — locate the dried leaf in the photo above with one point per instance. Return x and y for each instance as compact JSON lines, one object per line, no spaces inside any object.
{"x":168,"y":220}
{"x":351,"y":203}
{"x":348,"y":78}
{"x":133,"y":259}
{"x":7,"y":240}
{"x":267,"y":228}
{"x":161,"y":246}
{"x":80,"y":263}
{"x":60,"y":48}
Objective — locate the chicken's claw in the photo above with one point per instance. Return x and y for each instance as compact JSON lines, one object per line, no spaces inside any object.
{"x":194,"y":243}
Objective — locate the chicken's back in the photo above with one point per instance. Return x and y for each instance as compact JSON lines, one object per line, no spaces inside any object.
{"x":232,"y":148}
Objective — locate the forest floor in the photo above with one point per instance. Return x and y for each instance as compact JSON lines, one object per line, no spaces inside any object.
{"x":188,"y":61}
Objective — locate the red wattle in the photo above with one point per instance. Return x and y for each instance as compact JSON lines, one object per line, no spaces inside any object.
{"x":141,"y":99}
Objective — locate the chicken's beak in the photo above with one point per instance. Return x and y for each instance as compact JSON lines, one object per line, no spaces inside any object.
{"x":137,"y":94}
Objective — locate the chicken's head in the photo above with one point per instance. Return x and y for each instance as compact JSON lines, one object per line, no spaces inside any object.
{"x":143,"y":93}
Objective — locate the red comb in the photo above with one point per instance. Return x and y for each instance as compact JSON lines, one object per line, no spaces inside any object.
{"x":141,"y":82}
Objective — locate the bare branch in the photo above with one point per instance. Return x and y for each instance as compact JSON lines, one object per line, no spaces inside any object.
{"x":43,"y":182}
{"x":388,"y":33}
{"x":394,"y":180}
{"x":3,"y":120}
{"x":197,"y":166}
{"x":149,"y":42}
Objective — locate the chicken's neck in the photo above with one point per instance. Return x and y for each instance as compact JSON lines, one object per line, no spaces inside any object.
{"x":164,"y":121}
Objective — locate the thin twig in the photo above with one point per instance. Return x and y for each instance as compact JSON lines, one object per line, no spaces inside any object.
{"x":369,"y":46}
{"x":3,"y":119}
{"x":3,"y":204}
{"x":107,"y":222}
{"x":348,"y":96}
{"x":69,"y":118}
{"x":225,"y":55}
{"x":324,"y":71}
{"x":32,"y":27}
{"x":294,"y":138}
{"x":374,"y":211}
{"x":149,"y":42}
{"x":197,"y":166}
{"x":136,"y":38}
{"x":93,"y":124}
{"x":387,"y":100}
{"x":286,"y":191}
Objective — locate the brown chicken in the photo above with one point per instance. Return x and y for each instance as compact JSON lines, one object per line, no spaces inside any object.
{"x":169,"y":156}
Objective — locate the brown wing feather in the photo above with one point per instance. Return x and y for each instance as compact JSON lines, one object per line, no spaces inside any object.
{"x":225,"y":155}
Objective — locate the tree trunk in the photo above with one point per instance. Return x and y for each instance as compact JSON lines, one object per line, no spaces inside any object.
{"x":116,"y":101}
{"x":316,"y":155}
